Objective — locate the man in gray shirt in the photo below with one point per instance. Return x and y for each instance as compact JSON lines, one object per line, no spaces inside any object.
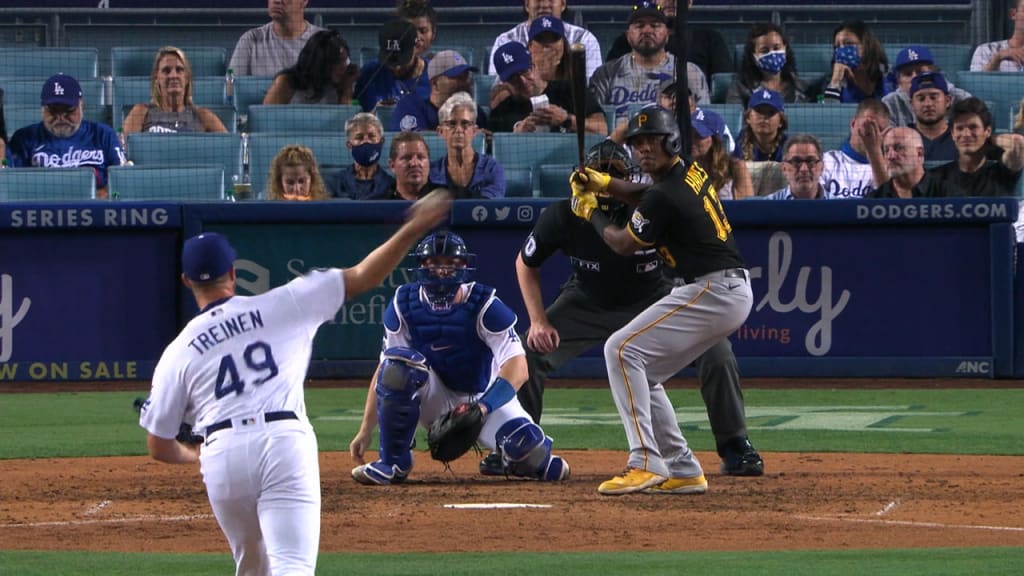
{"x":268,"y":49}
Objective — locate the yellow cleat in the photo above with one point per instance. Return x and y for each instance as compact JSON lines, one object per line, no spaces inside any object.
{"x":632,"y":480}
{"x":695,"y":485}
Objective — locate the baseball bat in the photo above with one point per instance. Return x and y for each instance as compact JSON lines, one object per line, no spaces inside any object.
{"x":578,"y":77}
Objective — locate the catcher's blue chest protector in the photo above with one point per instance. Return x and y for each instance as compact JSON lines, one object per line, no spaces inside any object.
{"x":449,"y":339}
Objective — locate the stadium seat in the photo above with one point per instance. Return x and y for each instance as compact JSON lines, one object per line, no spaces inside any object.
{"x":554,"y":180}
{"x":263,"y":146}
{"x":131,"y":90}
{"x":300,"y":117}
{"x":173,"y":183}
{"x":482,"y":84}
{"x":831,"y":141}
{"x":249,"y":91}
{"x":1001,"y":90}
{"x":731,"y":113}
{"x":819,"y":118}
{"x":26,"y":91}
{"x":20,"y":116}
{"x":82,"y":63}
{"x":138,"y":60}
{"x":511,"y":149}
{"x":812,"y":60}
{"x":384,"y":114}
{"x":720,"y":83}
{"x":518,"y":182}
{"x":47,"y":184}
{"x":150,"y":149}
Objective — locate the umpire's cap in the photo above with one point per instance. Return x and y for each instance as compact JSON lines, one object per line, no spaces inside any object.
{"x":653,"y":119}
{"x":207,"y":257}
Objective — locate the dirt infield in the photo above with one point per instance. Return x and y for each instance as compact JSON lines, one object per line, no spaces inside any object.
{"x":806,"y":501}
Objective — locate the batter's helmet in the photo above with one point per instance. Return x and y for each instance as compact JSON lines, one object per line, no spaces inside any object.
{"x":441,"y":281}
{"x":654,"y":119}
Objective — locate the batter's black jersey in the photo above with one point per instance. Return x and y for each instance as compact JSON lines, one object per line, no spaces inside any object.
{"x":612,"y":280}
{"x":683,"y":218}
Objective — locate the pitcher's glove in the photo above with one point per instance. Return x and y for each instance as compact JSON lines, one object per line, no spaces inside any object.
{"x":452,"y":434}
{"x":185,"y":435}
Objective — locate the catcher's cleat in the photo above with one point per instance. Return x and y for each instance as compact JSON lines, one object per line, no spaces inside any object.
{"x":379,"y":474}
{"x":739,"y":458}
{"x":632,"y":480}
{"x":695,"y":485}
{"x":493,"y":465}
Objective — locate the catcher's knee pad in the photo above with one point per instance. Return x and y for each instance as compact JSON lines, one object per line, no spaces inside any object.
{"x":527,"y":451}
{"x":402,"y":373}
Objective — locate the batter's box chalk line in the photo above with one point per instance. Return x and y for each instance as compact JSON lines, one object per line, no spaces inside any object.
{"x":879,"y":521}
{"x":493,"y":506}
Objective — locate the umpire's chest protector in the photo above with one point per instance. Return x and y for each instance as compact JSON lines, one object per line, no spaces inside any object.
{"x":449,"y":339}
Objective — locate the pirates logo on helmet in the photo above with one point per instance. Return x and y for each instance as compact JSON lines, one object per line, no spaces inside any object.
{"x":654,"y":119}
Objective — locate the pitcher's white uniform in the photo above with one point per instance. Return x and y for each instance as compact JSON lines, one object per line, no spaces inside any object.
{"x":237,"y":372}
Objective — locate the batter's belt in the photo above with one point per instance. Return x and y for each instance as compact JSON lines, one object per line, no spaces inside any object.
{"x":738,"y":273}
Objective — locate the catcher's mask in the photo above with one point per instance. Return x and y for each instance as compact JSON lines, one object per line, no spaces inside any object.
{"x":444,"y":265}
{"x":610,"y":157}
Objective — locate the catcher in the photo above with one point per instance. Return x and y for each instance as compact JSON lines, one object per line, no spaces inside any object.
{"x":452,"y":362}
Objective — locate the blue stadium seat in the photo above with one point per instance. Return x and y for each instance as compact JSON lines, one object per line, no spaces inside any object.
{"x":173,"y":183}
{"x":263,"y":146}
{"x":138,"y":60}
{"x":831,"y":141}
{"x":384,"y":113}
{"x":554,"y":180}
{"x":47,"y":184}
{"x":819,"y":118}
{"x":131,"y":90}
{"x":82,"y":63}
{"x":812,"y":60}
{"x":482,"y":84}
{"x":19,"y":116}
{"x":150,"y":149}
{"x":511,"y":149}
{"x":720,"y":83}
{"x":1001,"y":90}
{"x":250,"y":90}
{"x":301,"y":117}
{"x":26,"y":91}
{"x":518,"y":182}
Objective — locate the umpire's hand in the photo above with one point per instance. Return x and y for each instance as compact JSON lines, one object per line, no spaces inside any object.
{"x":542,"y":337}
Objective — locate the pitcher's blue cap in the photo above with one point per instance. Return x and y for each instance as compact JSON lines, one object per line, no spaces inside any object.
{"x":206,"y":257}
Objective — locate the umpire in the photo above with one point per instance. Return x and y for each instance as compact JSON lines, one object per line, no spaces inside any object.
{"x":604,"y":293}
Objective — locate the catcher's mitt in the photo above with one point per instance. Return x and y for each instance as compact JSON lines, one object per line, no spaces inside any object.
{"x":452,"y":434}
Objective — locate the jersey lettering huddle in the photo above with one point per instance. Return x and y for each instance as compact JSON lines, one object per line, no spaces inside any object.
{"x":683,"y":218}
{"x":243,"y":357}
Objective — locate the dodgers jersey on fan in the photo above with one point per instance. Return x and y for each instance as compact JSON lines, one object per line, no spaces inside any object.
{"x":243,"y":356}
{"x":846,"y":174}
{"x":93,"y":145}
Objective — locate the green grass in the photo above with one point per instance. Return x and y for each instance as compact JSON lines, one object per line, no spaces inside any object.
{"x":917,"y":562}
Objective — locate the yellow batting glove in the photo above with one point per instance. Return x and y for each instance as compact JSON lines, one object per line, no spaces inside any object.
{"x":583,"y":204}
{"x":596,"y":181}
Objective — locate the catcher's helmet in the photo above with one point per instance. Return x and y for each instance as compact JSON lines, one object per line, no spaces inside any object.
{"x":609,"y":156}
{"x":654,"y":119}
{"x":441,"y":280}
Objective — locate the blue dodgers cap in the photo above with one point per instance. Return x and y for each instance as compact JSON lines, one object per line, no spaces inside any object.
{"x":766,"y":97}
{"x":546,"y":24}
{"x":927,"y":80}
{"x":61,"y":89}
{"x":510,"y":59}
{"x":707,"y":123}
{"x":913,"y":54}
{"x":206,"y":257}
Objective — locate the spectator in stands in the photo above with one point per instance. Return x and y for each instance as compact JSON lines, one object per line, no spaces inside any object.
{"x":324,"y":74}
{"x":910,"y":62}
{"x":847,"y":172}
{"x":930,"y":99}
{"x":859,"y":64}
{"x":294,"y":175}
{"x":802,"y":167}
{"x":268,"y":49}
{"x":705,"y":46}
{"x":170,"y":107}
{"x":988,"y":165}
{"x":397,"y":72}
{"x":549,"y":52}
{"x":449,"y":73}
{"x":768,"y":61}
{"x":667,"y":100}
{"x":462,"y":170}
{"x":63,"y":139}
{"x":537,"y":105}
{"x":410,"y":163}
{"x":422,"y":15}
{"x":904,"y":162}
{"x":364,"y":178}
{"x":1018,"y":121}
{"x":729,"y":175}
{"x":764,"y":128}
{"x":1004,"y":55}
{"x":634,"y":77}
{"x":574,"y":34}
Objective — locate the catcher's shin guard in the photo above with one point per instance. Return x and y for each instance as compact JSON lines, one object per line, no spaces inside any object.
{"x":527,"y":451}
{"x":402,"y":373}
